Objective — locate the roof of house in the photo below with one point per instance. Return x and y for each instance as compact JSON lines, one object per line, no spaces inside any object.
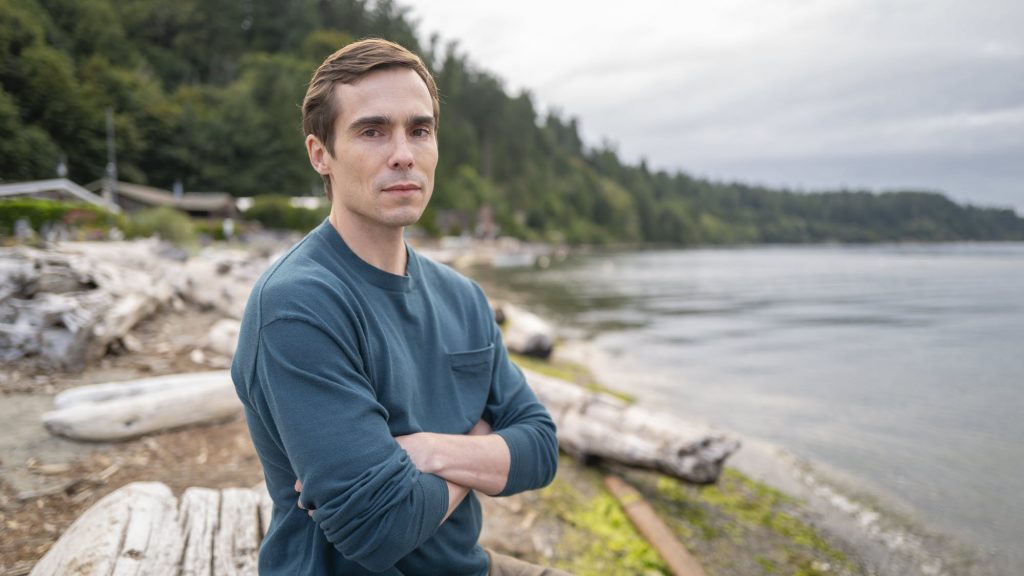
{"x":56,"y":185}
{"x":189,"y":201}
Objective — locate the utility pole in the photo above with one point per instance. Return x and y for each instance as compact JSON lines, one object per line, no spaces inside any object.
{"x":110,"y":176}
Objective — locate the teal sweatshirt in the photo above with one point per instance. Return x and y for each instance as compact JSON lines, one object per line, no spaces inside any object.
{"x":335,"y":359}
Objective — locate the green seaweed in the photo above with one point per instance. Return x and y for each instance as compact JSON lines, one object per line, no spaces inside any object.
{"x":738,"y":513}
{"x":601,"y":539}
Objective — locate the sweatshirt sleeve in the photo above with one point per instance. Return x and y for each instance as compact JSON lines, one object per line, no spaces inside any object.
{"x":523,"y":422}
{"x":370,"y":500}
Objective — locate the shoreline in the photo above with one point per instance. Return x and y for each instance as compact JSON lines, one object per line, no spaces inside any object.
{"x":883,"y":533}
{"x":881,"y":540}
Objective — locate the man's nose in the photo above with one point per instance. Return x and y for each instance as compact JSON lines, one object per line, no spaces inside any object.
{"x":401,"y":153}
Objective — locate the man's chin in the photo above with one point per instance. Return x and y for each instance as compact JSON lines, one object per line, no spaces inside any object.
{"x":401,"y":218}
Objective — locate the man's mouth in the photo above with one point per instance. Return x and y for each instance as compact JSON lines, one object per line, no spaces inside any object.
{"x":403,"y":187}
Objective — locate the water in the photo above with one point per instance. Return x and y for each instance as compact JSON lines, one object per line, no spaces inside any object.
{"x":901,"y":366}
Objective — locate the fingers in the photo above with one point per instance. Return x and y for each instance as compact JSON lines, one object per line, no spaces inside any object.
{"x":298,"y":488}
{"x":480,"y":428}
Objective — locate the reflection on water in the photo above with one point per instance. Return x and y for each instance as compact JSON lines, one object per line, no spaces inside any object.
{"x":901,"y":365}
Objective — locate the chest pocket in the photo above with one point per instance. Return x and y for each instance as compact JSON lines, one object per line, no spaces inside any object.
{"x":472,"y":374}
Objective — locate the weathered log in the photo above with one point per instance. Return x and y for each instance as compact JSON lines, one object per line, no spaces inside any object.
{"x":222,"y":280}
{"x":266,"y":508}
{"x":202,"y":401}
{"x":526,"y":333}
{"x":141,"y":529}
{"x":132,"y":531}
{"x":198,"y":517}
{"x":66,"y":307}
{"x":114,"y":390}
{"x":593,"y":426}
{"x":237,"y":541}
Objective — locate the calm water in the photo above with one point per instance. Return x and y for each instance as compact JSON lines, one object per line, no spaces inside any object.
{"x":902,"y":366}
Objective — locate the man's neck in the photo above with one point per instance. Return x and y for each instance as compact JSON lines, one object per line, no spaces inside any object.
{"x":379,"y":246}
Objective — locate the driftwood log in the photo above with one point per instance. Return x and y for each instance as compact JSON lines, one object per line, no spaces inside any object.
{"x":123,"y":410}
{"x":525,"y":332}
{"x":143,"y":529}
{"x":594,"y":426}
{"x":66,"y":307}
{"x":591,"y":425}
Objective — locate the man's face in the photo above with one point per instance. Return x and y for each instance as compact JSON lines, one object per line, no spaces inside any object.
{"x":385,"y":149}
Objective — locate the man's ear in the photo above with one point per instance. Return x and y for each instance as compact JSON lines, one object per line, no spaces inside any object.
{"x":318,"y":155}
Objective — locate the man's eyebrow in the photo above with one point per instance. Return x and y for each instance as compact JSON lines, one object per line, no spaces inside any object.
{"x":367,"y":121}
{"x":422,"y":121}
{"x":381,"y":120}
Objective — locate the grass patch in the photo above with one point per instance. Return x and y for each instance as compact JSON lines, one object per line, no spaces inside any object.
{"x":739,"y":514}
{"x":569,"y":371}
{"x":599,"y":539}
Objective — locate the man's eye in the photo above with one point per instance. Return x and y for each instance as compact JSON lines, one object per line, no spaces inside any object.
{"x":371,"y":132}
{"x":421,"y":132}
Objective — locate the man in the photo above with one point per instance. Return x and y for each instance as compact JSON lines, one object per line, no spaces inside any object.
{"x":375,"y":381}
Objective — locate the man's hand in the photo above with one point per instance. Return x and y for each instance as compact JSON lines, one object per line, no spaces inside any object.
{"x":298,"y":488}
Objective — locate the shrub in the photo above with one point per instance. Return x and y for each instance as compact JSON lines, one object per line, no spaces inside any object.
{"x":170,"y":224}
{"x":277,"y":212}
{"x":40,"y":212}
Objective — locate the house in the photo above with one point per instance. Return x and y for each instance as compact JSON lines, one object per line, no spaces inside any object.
{"x":135,"y":197}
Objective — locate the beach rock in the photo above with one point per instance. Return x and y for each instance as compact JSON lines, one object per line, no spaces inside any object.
{"x":223,"y":337}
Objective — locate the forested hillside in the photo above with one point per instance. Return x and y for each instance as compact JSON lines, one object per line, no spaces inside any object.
{"x":208,"y":92}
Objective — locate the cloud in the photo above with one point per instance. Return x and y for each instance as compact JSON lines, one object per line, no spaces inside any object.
{"x":834,"y":86}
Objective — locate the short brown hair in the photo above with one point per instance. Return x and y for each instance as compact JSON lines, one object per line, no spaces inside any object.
{"x":347,"y":66}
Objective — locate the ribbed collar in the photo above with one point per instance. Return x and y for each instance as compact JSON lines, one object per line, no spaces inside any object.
{"x":364,"y":269}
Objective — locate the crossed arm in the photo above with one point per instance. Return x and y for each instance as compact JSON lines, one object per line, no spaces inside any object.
{"x":478,"y":460}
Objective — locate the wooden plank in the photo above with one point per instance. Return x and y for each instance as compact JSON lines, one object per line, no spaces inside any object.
{"x":647,"y":521}
{"x":237,"y":539}
{"x":198,"y":514}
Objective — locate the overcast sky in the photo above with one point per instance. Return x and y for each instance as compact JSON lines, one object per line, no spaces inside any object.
{"x":812,"y":94}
